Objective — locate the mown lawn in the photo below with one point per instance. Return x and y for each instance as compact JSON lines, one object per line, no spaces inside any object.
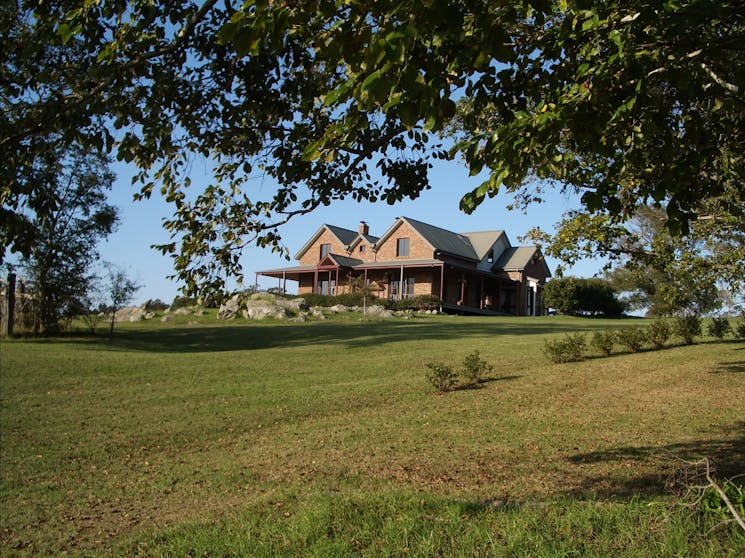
{"x":324,"y":438}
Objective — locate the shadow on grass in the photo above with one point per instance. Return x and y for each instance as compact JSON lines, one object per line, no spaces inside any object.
{"x":483,"y":381}
{"x":348,"y":333}
{"x":726,"y":454}
{"x":730,"y":367}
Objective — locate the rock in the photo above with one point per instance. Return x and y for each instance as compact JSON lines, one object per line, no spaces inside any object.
{"x":377,"y":311}
{"x":338,"y":309}
{"x":293,"y":304}
{"x":130,"y":314}
{"x":149,"y":315}
{"x":229,"y":309}
{"x":199,"y":312}
{"x":317,"y":313}
{"x":182,"y":311}
{"x":166,"y":318}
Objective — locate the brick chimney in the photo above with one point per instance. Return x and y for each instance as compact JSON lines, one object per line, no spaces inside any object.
{"x":364,"y":229}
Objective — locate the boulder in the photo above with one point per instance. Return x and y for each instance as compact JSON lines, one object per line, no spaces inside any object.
{"x":130,"y":314}
{"x":166,"y":318}
{"x":230,"y":308}
{"x":293,"y":305}
{"x":337,"y":309}
{"x":182,"y":311}
{"x":377,"y":311}
{"x":257,"y":310}
{"x":317,"y":313}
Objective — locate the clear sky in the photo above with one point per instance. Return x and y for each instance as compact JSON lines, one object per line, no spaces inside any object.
{"x":141,"y":226}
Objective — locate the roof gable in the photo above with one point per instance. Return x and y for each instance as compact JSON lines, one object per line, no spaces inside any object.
{"x":344,"y":236}
{"x":439,"y":239}
{"x":483,"y":241}
{"x":518,"y":258}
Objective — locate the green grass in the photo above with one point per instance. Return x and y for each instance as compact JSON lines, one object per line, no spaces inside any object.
{"x":236,"y":439}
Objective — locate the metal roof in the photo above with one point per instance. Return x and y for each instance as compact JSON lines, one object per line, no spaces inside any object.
{"x":443,"y":240}
{"x":517,"y":257}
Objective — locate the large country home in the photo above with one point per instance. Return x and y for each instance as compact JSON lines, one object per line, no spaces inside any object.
{"x":477,"y":272}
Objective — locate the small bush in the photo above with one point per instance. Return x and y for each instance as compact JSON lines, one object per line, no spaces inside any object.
{"x":155,"y":305}
{"x":659,"y":333}
{"x":604,"y":341}
{"x":632,"y":338}
{"x":713,"y":504}
{"x":569,"y":349}
{"x":475,"y":368}
{"x":718,"y":327}
{"x":442,"y":377}
{"x":686,"y":328}
{"x":182,"y":302}
{"x":416,"y":303}
{"x":740,"y":329}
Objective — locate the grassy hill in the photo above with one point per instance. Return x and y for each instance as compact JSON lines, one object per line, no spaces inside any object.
{"x":202,"y":438}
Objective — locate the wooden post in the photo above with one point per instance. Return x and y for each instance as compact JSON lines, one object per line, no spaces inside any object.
{"x":10,"y":306}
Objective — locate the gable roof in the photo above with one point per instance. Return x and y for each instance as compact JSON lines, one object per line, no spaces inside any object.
{"x":482,"y":241}
{"x":341,"y":261}
{"x":344,"y":236}
{"x":518,"y":257}
{"x":439,"y":239}
{"x":371,"y":240}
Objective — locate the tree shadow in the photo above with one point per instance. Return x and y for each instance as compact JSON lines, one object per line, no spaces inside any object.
{"x":730,"y":367}
{"x":348,"y":333}
{"x":726,"y":454}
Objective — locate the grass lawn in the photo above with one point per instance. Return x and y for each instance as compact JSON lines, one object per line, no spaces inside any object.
{"x":200,"y":438}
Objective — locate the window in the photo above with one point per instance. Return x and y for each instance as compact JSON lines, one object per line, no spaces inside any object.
{"x":408,"y":287}
{"x":402,"y":249}
{"x":490,"y":257}
{"x":325,"y":249}
{"x":362,"y":247}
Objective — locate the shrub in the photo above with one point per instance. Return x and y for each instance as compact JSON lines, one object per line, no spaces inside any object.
{"x":578,"y":296}
{"x":182,"y":302}
{"x":632,"y":338}
{"x":442,"y":377}
{"x":686,"y":328}
{"x":659,"y":333}
{"x":155,"y":305}
{"x":740,"y":329}
{"x":718,"y":327}
{"x":475,"y":368}
{"x":569,"y":349}
{"x":417,"y":303}
{"x":603,"y":341}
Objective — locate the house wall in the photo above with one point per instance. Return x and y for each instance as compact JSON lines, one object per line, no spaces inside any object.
{"x":367,"y":255}
{"x":418,"y":248}
{"x":312,"y":255}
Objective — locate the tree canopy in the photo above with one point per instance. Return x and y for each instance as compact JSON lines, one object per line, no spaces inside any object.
{"x":624,"y":102}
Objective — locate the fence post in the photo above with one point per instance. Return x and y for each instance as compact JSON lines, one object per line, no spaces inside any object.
{"x":10,"y":307}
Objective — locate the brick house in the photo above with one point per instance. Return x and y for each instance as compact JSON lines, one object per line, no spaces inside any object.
{"x":478,"y":272}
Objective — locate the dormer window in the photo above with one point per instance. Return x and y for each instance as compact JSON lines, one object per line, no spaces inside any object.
{"x":325,"y":249}
{"x":402,"y":248}
{"x":363,"y":247}
{"x":490,"y":257}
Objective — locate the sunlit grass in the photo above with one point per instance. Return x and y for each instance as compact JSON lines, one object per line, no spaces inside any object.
{"x":205,"y":436}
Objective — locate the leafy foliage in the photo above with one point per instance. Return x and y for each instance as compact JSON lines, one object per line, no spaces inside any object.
{"x":659,"y":333}
{"x":67,"y":210}
{"x":442,"y":377}
{"x":632,"y":338}
{"x":121,"y":290}
{"x":622,"y":102}
{"x":582,"y":297}
{"x":719,"y":327}
{"x":604,"y":341}
{"x":570,"y":348}
{"x":475,"y":368}
{"x":686,"y":328}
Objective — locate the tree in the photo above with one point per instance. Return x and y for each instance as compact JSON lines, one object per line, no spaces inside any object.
{"x":68,"y":212}
{"x":624,"y":102}
{"x":661,"y":273}
{"x":121,"y":290}
{"x":578,"y":296}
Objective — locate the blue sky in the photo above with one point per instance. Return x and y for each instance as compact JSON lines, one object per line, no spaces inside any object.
{"x":141,"y":226}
